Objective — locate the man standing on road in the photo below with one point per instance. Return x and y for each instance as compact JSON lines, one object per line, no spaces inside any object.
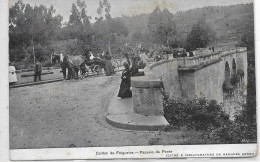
{"x":37,"y":71}
{"x":108,"y":65}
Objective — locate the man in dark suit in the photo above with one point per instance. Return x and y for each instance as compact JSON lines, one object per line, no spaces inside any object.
{"x":37,"y":71}
{"x":108,"y":64}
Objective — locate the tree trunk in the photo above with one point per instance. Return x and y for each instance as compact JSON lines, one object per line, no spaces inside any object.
{"x":33,"y":50}
{"x":109,"y":49}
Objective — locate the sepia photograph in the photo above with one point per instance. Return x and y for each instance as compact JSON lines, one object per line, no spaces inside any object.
{"x":119,"y":74}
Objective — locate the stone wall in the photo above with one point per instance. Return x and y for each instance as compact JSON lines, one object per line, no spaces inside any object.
{"x":199,"y":76}
{"x":209,"y":81}
{"x":167,"y":72}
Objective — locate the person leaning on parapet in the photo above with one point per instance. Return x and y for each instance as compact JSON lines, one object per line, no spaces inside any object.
{"x":37,"y":70}
{"x":143,"y":61}
{"x":135,"y":64}
{"x":127,"y":58}
{"x":124,"y":91}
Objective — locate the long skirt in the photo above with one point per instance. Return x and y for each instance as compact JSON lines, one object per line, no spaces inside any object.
{"x":12,"y":75}
{"x":108,"y":67}
{"x":124,"y":90}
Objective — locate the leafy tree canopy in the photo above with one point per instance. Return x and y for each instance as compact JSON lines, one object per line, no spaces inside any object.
{"x":31,"y":26}
{"x":161,"y":26}
{"x":200,"y":36}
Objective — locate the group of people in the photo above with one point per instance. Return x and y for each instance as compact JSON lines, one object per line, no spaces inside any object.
{"x":131,"y":65}
{"x":13,"y":76}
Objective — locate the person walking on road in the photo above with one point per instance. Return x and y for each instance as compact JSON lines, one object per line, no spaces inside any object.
{"x":37,"y":71}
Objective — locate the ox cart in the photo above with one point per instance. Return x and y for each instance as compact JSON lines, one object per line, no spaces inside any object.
{"x":96,"y":65}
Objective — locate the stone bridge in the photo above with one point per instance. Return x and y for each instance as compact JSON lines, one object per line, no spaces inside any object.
{"x":202,"y":75}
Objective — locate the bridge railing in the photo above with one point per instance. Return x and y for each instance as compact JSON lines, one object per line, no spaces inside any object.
{"x":198,"y":60}
{"x":241,"y":49}
{"x":224,"y":53}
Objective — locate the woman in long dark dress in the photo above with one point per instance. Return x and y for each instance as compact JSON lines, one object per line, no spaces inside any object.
{"x":124,"y":91}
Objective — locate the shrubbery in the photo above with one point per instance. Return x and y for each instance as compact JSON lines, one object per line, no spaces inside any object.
{"x":234,"y":79}
{"x":48,"y":64}
{"x":198,"y":114}
{"x":208,"y":118}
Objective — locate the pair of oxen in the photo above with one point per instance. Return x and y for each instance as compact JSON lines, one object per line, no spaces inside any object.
{"x":74,"y":64}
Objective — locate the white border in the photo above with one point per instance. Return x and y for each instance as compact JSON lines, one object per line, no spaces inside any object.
{"x":142,"y":152}
{"x":4,"y":111}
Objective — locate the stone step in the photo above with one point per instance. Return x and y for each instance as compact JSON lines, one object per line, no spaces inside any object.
{"x":120,"y":114}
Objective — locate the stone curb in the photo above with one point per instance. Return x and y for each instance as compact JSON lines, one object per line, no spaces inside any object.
{"x":35,"y":83}
{"x":120,"y":114}
{"x":42,"y":82}
{"x":132,"y":126}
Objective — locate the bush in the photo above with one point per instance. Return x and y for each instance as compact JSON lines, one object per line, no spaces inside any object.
{"x":234,"y":79}
{"x":198,"y":114}
{"x":24,"y":64}
{"x":235,"y":132}
{"x":48,"y":64}
{"x":210,"y":121}
{"x":227,"y":86}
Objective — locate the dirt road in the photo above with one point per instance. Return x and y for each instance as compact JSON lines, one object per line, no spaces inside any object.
{"x":68,"y":114}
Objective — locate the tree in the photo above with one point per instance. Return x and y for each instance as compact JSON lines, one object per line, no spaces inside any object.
{"x":103,"y":24}
{"x":75,"y":16}
{"x":200,"y":36}
{"x":103,"y":10}
{"x":161,"y":26}
{"x":79,"y":28}
{"x":109,"y":35}
{"x":29,"y":27}
{"x":108,"y":31}
{"x":247,"y":40}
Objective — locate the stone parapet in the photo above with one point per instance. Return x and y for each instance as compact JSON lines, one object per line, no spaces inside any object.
{"x":145,"y":82}
{"x":202,"y":60}
{"x":147,"y":96}
{"x":199,"y":66}
{"x":198,"y":61}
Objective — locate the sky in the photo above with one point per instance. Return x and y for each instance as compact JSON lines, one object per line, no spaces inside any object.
{"x":130,"y":7}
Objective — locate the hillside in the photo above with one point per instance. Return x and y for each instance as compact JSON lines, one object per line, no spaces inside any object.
{"x":229,"y":22}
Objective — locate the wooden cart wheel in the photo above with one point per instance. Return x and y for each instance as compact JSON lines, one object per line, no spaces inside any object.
{"x":97,"y":69}
{"x":86,"y":73}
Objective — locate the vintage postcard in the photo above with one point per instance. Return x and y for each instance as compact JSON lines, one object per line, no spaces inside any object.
{"x":108,"y":79}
